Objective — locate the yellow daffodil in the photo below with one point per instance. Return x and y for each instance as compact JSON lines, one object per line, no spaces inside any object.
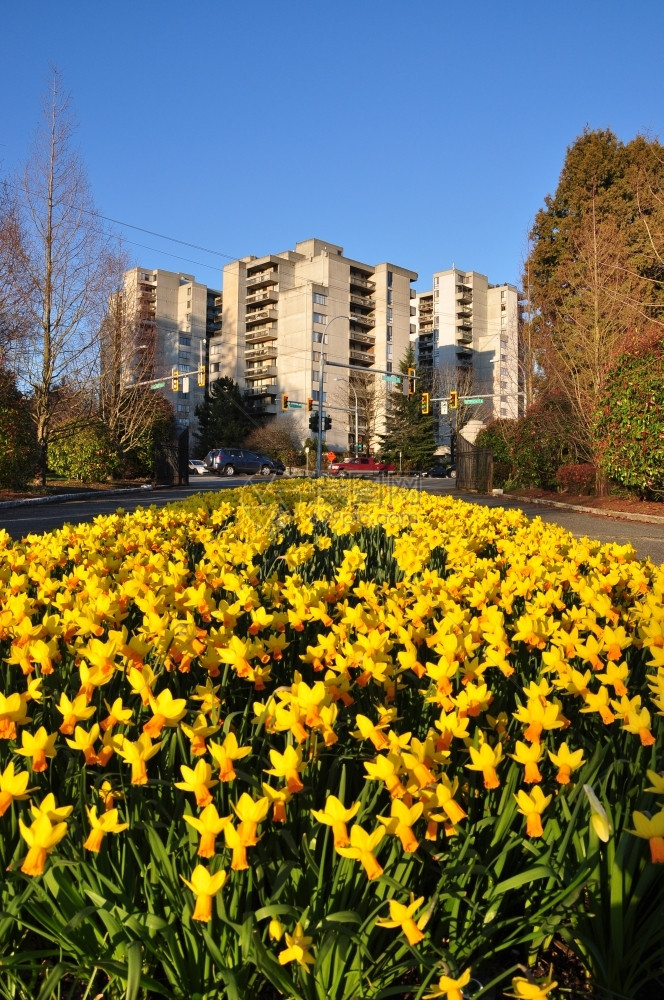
{"x":532,"y":805}
{"x":362,"y":847}
{"x":287,"y":765}
{"x":100,"y":826}
{"x":136,"y":753}
{"x":567,"y":761}
{"x":209,"y":824}
{"x":400,"y":823}
{"x":198,"y":780}
{"x":532,"y":989}
{"x":486,"y":759}
{"x":225,"y":754}
{"x":449,"y":988}
{"x":204,"y":887}
{"x":402,"y":916}
{"x":13,"y":786}
{"x":39,"y":747}
{"x":41,"y":837}
{"x":652,"y":830}
{"x":297,"y":949}
{"x":336,"y":815}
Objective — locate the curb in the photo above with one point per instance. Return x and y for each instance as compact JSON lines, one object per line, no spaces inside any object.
{"x":58,"y":498}
{"x":619,"y":514}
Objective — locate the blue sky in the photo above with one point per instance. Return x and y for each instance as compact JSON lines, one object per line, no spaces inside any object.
{"x":424,"y":133}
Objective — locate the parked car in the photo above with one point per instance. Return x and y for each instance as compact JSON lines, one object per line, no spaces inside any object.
{"x":276,"y":466}
{"x":198,"y":467}
{"x":363,"y":465}
{"x":233,"y":461}
{"x":442,"y":471}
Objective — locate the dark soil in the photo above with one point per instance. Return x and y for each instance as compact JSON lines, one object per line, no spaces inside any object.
{"x":626,"y":505}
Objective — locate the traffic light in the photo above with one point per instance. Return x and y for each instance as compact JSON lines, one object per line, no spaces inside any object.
{"x":201,"y":376}
{"x":411,"y":381}
{"x":327,"y":423}
{"x":313,"y":422}
{"x":310,"y":405}
{"x":284,"y":401}
{"x":425,"y":403}
{"x":454,"y":399}
{"x":175,"y":379}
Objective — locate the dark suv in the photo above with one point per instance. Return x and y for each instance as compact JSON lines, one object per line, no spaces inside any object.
{"x":230,"y":461}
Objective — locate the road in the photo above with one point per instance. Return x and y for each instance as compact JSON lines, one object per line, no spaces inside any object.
{"x":647,"y":539}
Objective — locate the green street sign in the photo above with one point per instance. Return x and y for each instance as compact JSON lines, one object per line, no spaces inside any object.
{"x":473,"y":402}
{"x":392,"y":378}
{"x":295,"y":406}
{"x":158,"y":385}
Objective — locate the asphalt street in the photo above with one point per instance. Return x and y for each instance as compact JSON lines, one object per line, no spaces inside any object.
{"x":647,"y":538}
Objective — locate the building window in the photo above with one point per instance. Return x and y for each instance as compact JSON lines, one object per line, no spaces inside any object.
{"x":319,"y":337}
{"x":389,"y":296}
{"x":390,"y":277}
{"x":389,"y":366}
{"x":502,"y":294}
{"x":320,"y":318}
{"x":436,"y":282}
{"x":389,"y":350}
{"x":185,"y":341}
{"x":320,"y":299}
{"x":389,"y":334}
{"x":389,"y":314}
{"x":214,"y":367}
{"x":314,"y":396}
{"x":184,"y":356}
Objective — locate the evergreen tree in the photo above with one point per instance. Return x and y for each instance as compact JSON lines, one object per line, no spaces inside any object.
{"x":409,"y":434}
{"x":225,"y":417}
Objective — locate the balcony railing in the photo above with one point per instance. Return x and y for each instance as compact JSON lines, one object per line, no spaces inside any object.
{"x":269,"y":352}
{"x":269,"y":277}
{"x":363,"y":356}
{"x":362,"y":320}
{"x":260,"y":315}
{"x":258,"y":334}
{"x":360,"y":282}
{"x":271,"y":296}
{"x":262,"y":390}
{"x":363,"y":338}
{"x":261,"y":371}
{"x":361,"y":300}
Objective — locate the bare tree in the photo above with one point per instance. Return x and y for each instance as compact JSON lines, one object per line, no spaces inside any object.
{"x":589,"y":320}
{"x":13,"y":317}
{"x":127,"y":405}
{"x":62,"y":256}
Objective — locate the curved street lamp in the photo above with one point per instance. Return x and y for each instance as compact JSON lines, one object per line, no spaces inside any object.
{"x":321,"y":373}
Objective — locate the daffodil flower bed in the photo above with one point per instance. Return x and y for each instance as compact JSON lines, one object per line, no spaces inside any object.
{"x":327,"y":741}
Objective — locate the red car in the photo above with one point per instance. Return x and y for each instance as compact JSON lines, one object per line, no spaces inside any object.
{"x":360,"y":466}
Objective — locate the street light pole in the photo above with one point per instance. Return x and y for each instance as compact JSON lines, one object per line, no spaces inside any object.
{"x":321,"y":374}
{"x":351,"y":386}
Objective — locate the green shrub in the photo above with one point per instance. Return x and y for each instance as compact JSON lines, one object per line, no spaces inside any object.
{"x":84,"y":453}
{"x":17,"y":436}
{"x":579,"y":478}
{"x":629,"y":427}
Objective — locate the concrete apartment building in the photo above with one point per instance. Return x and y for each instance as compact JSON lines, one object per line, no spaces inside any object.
{"x":281,"y":310}
{"x":468,"y":339}
{"x":169,"y":319}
